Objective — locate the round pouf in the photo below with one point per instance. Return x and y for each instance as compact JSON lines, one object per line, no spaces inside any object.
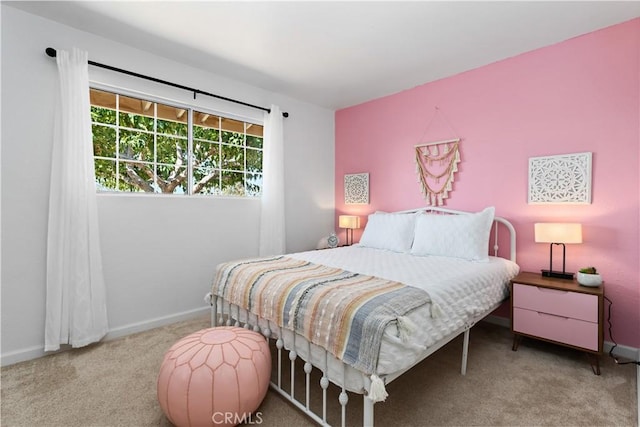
{"x":216,"y":376}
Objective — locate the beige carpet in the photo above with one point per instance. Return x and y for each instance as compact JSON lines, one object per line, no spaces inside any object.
{"x":114,"y":384}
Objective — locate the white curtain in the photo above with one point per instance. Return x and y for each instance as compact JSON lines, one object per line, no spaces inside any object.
{"x":272,"y":234}
{"x":76,"y":311}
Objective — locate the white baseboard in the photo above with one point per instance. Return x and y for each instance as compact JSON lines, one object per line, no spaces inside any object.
{"x":155,"y":323}
{"x":622,"y":351}
{"x":10,"y":358}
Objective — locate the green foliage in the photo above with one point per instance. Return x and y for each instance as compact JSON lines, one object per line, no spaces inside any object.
{"x":233,"y":138}
{"x":232,"y":157}
{"x":206,"y":134}
{"x":103,"y":115}
{"x":254,"y":160}
{"x":588,"y":270}
{"x":254,"y":142}
{"x":136,"y":153}
{"x":136,"y":121}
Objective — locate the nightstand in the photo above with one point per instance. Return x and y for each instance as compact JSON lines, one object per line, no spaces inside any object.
{"x":559,"y":311}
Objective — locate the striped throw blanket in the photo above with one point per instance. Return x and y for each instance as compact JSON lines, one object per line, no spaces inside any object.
{"x":343,"y":312}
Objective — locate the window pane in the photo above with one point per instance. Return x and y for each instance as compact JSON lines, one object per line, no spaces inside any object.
{"x":171,"y":149}
{"x":136,"y":177}
{"x":172,"y":114}
{"x":204,"y":133}
{"x":136,"y":106}
{"x":233,"y":183}
{"x":172,"y":128}
{"x":104,"y":141}
{"x":206,"y":154}
{"x":254,"y":184}
{"x":254,"y":141}
{"x":103,"y":105}
{"x":254,"y":160}
{"x":206,"y":120}
{"x":105,"y":175}
{"x":233,"y":138}
{"x":136,"y":121}
{"x":232,"y":157}
{"x":254,"y":130}
{"x":206,"y":181}
{"x":171,"y":180}
{"x":103,"y":115}
{"x":232,"y":125}
{"x":136,"y":145}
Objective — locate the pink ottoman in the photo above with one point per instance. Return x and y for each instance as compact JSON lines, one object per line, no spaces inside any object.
{"x":216,"y":376}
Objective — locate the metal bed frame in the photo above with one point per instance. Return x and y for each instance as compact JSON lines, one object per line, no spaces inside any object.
{"x":232,"y":317}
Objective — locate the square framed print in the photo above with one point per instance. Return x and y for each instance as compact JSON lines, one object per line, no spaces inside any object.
{"x":560,"y":179}
{"x":356,"y":189}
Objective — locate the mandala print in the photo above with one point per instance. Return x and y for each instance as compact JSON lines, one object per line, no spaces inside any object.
{"x":356,"y":188}
{"x":560,"y":179}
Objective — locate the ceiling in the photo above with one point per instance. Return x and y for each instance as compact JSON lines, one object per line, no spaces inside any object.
{"x":335,"y":54}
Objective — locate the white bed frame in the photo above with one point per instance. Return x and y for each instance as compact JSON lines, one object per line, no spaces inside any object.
{"x":233,"y":318}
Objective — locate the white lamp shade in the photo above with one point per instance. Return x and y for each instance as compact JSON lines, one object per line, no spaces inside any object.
{"x":349,"y":221}
{"x":557,"y":232}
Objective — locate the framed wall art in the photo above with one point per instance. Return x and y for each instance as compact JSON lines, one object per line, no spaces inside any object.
{"x":356,"y":189}
{"x":560,"y":179}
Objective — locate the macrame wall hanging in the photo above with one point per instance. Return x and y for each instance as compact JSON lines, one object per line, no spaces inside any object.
{"x":436,"y":165}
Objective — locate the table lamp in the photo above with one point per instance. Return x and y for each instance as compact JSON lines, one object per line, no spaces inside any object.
{"x":557,"y":234}
{"x":349,"y":223}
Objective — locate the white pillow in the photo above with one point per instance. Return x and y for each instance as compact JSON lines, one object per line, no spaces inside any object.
{"x":393,"y":232}
{"x":460,"y":236}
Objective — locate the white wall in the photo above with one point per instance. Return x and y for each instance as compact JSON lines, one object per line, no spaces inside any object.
{"x":159,"y":253}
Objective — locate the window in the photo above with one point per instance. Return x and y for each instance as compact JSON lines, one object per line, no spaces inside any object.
{"x":150,"y":147}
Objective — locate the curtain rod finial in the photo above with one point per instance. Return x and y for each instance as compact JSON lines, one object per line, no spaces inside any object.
{"x":51,"y":52}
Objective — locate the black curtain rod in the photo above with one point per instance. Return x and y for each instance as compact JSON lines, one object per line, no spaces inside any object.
{"x":52,"y":53}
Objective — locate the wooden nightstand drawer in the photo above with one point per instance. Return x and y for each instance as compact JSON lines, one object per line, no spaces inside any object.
{"x":559,"y":311}
{"x":555,"y":301}
{"x":564,"y":330}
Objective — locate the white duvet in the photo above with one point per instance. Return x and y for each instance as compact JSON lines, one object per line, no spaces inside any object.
{"x":462,"y":291}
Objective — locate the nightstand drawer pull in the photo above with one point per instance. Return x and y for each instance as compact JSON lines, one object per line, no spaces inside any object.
{"x":552,"y":315}
{"x":551,"y":291}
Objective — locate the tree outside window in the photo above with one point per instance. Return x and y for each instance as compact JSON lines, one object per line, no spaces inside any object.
{"x":143,"y":146}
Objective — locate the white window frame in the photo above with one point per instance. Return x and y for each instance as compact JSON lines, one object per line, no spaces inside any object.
{"x":190,"y":109}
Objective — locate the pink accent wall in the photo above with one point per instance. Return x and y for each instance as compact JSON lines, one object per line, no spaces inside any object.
{"x":576,"y":96}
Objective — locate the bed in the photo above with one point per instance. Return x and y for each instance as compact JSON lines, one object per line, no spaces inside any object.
{"x":365,"y":314}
